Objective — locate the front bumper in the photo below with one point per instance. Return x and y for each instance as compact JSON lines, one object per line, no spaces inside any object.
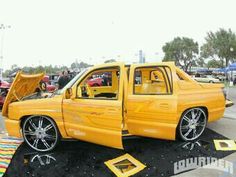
{"x":13,"y":127}
{"x":228,"y":103}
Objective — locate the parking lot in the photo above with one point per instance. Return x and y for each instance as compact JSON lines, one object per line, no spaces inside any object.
{"x":76,"y":158}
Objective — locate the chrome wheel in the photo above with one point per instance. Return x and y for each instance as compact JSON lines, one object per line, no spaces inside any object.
{"x":40,"y":133}
{"x":192,"y":124}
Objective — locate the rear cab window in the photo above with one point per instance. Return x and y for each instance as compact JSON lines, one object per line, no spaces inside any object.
{"x":154,"y":80}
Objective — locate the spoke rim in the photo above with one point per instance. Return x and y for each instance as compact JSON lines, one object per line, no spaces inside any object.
{"x":40,"y":133}
{"x":192,"y":124}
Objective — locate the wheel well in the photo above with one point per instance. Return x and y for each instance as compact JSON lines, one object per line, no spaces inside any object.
{"x":22,"y":120}
{"x":204,"y":108}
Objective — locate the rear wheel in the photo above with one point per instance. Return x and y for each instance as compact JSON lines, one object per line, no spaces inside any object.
{"x":192,"y":124}
{"x":40,"y":133}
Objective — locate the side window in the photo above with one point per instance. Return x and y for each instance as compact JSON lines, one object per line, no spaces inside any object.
{"x":102,"y":84}
{"x":153,"y":81}
{"x":138,"y":77}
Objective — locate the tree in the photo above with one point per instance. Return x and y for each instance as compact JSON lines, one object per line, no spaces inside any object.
{"x":74,"y":65}
{"x":46,"y":69}
{"x":80,"y":65}
{"x":14,"y":66}
{"x":183,"y":51}
{"x":214,"y":64}
{"x":221,"y":46}
{"x":110,"y":61}
{"x":200,"y":62}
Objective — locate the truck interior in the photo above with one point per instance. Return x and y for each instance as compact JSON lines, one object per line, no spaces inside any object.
{"x":152,"y":80}
{"x":105,"y":84}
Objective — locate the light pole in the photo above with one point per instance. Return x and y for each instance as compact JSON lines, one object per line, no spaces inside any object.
{"x":231,"y":72}
{"x":2,"y":28}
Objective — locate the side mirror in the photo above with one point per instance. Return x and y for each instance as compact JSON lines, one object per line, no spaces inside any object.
{"x":69,"y":93}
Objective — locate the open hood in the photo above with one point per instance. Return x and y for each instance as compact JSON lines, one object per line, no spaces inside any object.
{"x":23,"y":85}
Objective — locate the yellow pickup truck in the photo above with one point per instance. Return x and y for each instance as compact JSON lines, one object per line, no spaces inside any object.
{"x":155,"y":100}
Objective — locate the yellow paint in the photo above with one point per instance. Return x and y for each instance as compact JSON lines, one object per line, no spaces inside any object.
{"x":225,"y":145}
{"x":150,"y":108}
{"x":23,"y":85}
{"x":6,"y":160}
{"x":2,"y":170}
{"x":133,"y":166}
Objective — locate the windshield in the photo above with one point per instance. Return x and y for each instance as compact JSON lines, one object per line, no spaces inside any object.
{"x":71,"y":83}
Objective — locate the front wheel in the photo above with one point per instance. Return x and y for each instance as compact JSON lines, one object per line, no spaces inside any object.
{"x":40,"y":133}
{"x":192,"y":124}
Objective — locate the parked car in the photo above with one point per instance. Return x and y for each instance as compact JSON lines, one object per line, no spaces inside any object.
{"x":222,"y":78}
{"x":53,"y":78}
{"x":100,"y":79}
{"x":46,"y":84}
{"x":4,"y":87}
{"x":166,"y":104}
{"x":206,"y":79}
{"x":94,"y":82}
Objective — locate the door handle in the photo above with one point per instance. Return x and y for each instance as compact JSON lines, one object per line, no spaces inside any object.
{"x":96,"y":113}
{"x":164,"y":105}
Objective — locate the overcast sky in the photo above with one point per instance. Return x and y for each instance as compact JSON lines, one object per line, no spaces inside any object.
{"x":61,"y":31}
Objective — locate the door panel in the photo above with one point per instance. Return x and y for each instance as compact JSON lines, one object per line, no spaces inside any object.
{"x":152,"y":109}
{"x":97,"y":119}
{"x":152,"y":116}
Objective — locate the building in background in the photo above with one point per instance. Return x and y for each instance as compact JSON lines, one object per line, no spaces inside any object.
{"x":141,"y":57}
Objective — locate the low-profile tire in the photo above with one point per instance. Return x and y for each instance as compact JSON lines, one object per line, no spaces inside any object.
{"x":40,"y":133}
{"x":192,"y":124}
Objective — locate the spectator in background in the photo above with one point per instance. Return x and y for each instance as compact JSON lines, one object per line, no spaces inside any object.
{"x":63,"y":80}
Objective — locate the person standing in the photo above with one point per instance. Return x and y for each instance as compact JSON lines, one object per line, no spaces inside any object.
{"x":63,"y":80}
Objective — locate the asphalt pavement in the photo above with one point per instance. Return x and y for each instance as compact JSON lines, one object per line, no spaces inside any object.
{"x":231,"y":111}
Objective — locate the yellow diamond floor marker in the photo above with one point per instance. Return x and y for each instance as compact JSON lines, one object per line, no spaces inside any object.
{"x":125,"y":165}
{"x":225,"y":145}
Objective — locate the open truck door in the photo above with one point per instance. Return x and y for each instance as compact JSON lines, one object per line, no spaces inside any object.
{"x":152,"y":101}
{"x":95,"y":111}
